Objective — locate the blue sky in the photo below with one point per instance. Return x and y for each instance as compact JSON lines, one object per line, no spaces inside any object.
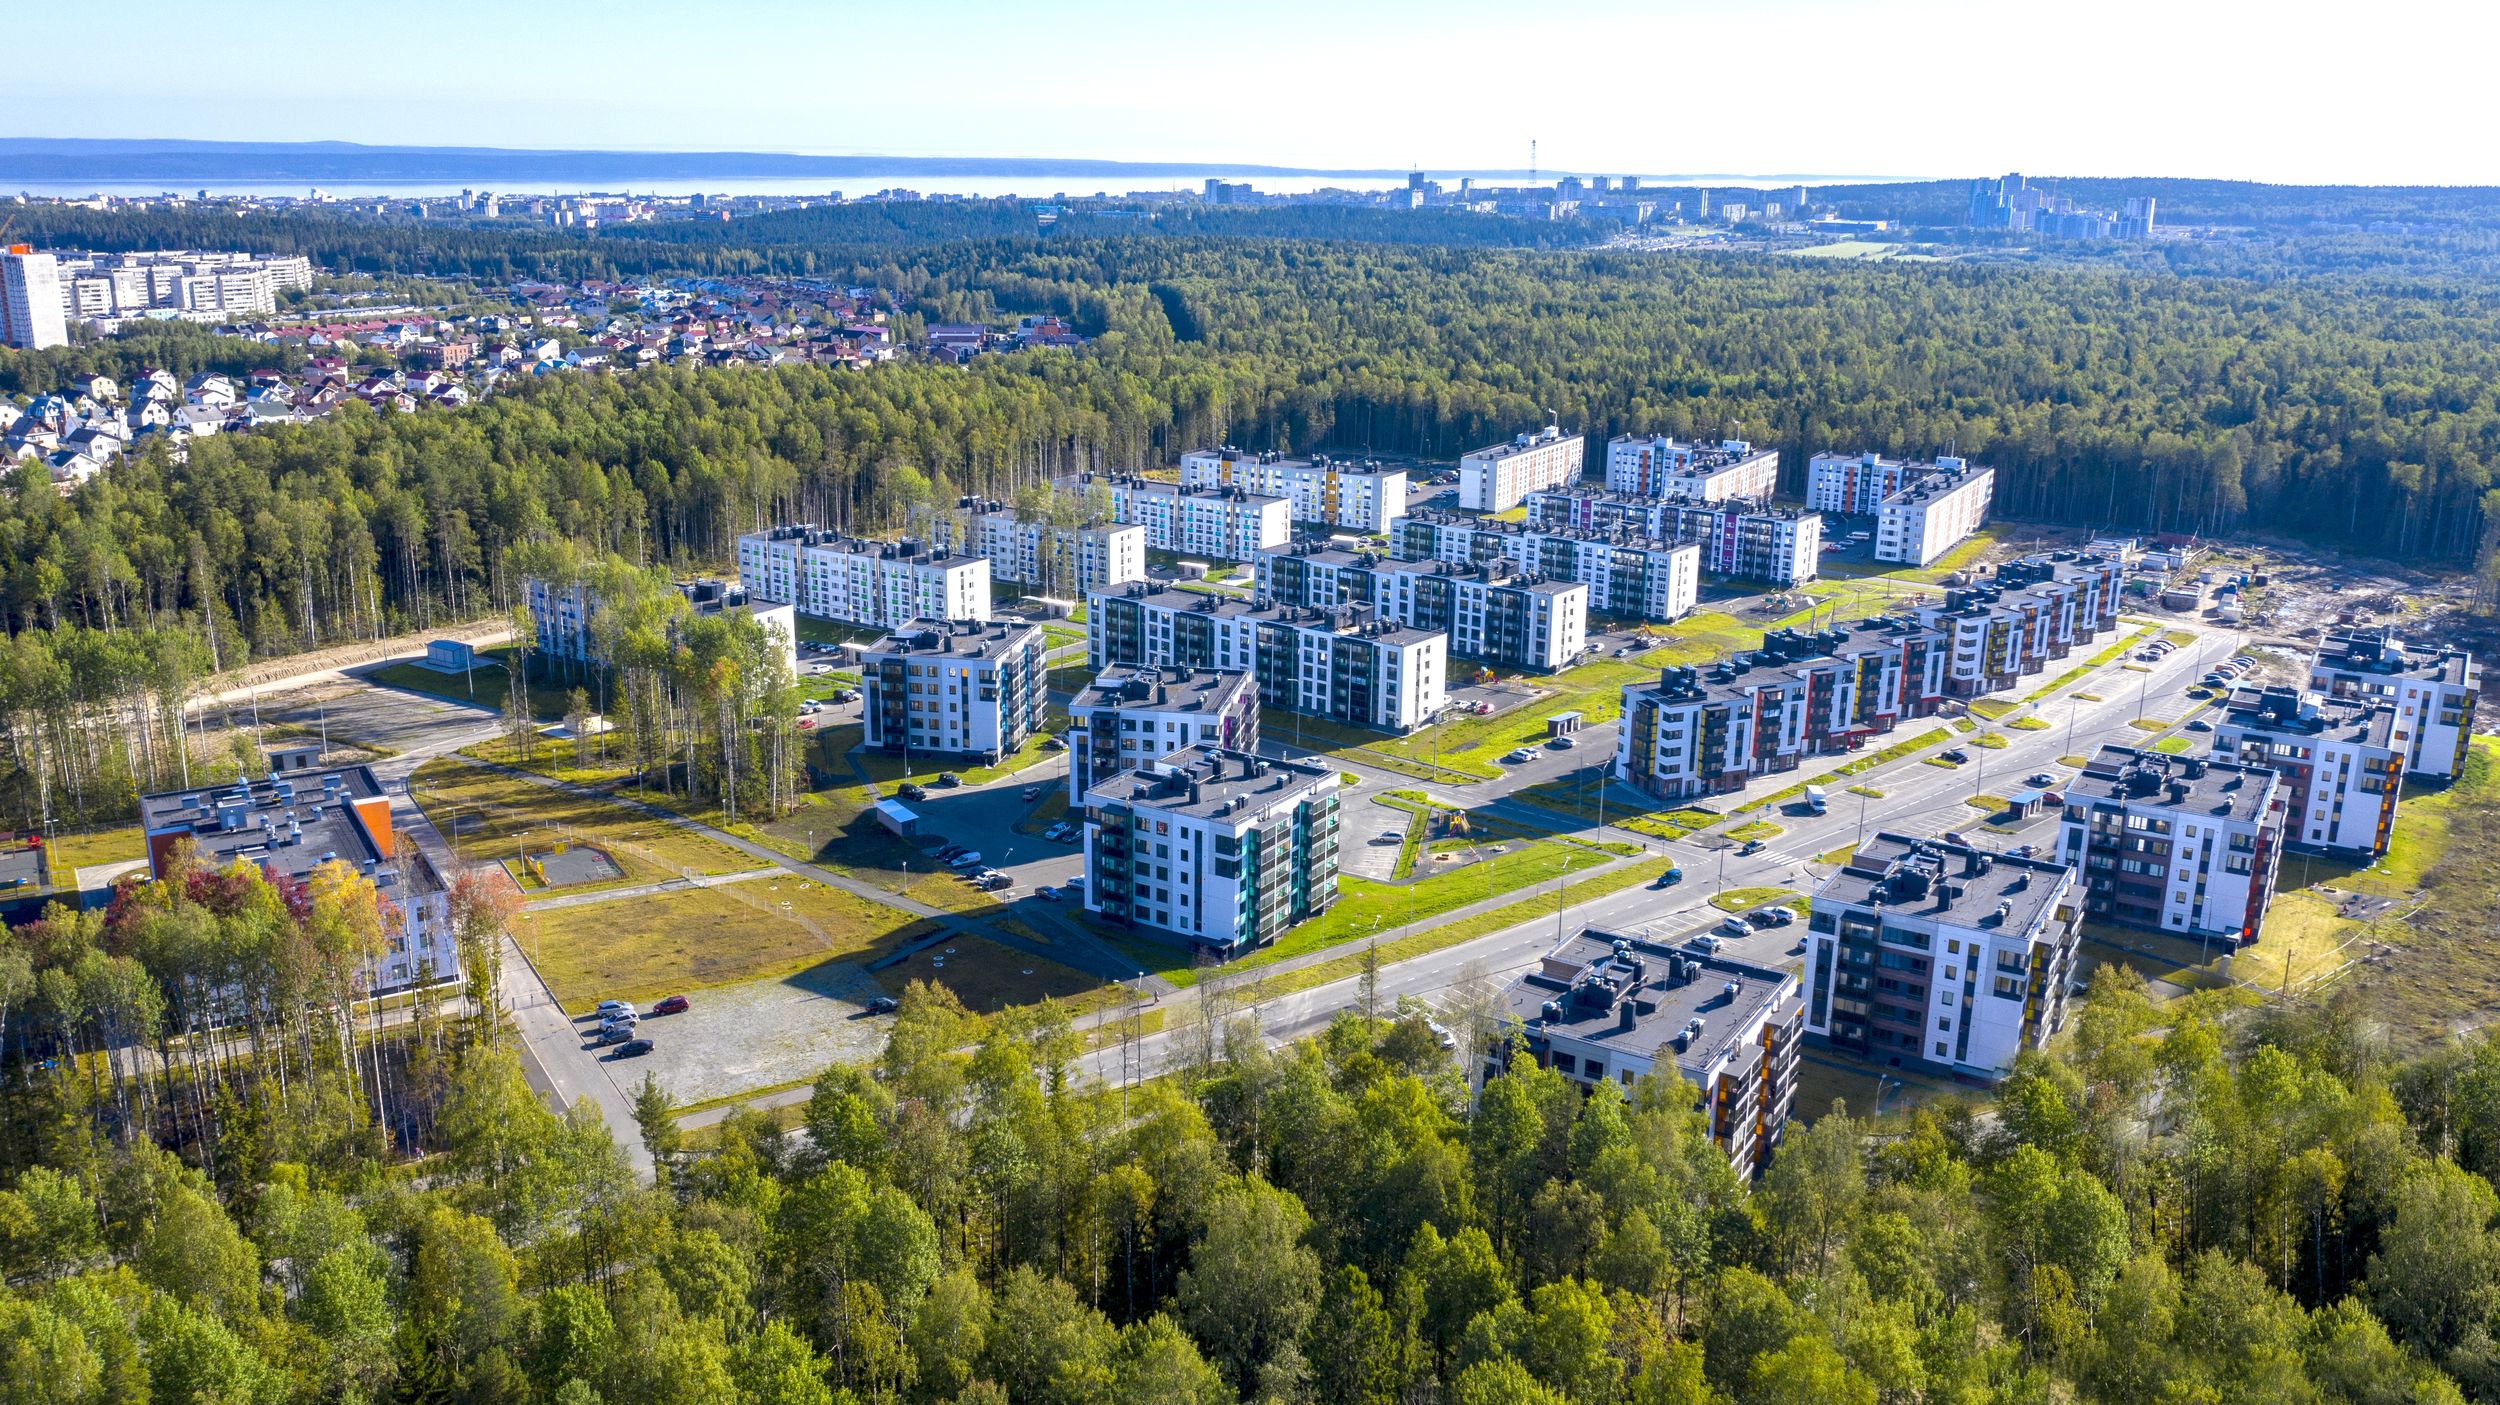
{"x":2388,"y":91}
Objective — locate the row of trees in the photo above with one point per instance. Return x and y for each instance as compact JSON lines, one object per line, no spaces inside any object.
{"x":2178,"y":1205}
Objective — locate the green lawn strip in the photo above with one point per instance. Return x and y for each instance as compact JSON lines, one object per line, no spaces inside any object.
{"x":1465,"y":929}
{"x":1771,"y":801}
{"x":1746,"y":899}
{"x":1985,"y":803}
{"x":2027,"y":724}
{"x":2150,"y":724}
{"x":1965,"y":725}
{"x":1418,"y":819}
{"x":1992,"y":708}
{"x":1757,"y":829}
{"x":2075,"y":761}
{"x":1837,"y":856}
{"x":2173,"y":746}
{"x":2180,"y":638}
{"x":2086,"y":697}
{"x":1868,"y":791}
{"x":1364,"y":907}
{"x":1048,"y":811}
{"x":1939,"y":762}
{"x":2110,"y":655}
{"x":1988,"y":741}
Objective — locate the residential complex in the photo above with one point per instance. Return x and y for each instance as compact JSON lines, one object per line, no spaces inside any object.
{"x":1224,"y":524}
{"x":31,"y":316}
{"x":1128,"y":717}
{"x":1358,"y":495}
{"x":2342,"y":772}
{"x":1070,"y":562}
{"x":1628,"y":576}
{"x":1740,"y":539}
{"x":561,"y":614}
{"x":1499,"y":478}
{"x":1607,"y":1005}
{"x":1489,"y":615}
{"x":1656,"y":466}
{"x":1222,"y":849}
{"x":290,"y":824}
{"x":2013,"y":203}
{"x":2174,"y":844}
{"x":193,"y":284}
{"x":883,"y":585}
{"x":1921,"y":510}
{"x":1852,"y":485}
{"x":1926,"y":951}
{"x":2433,"y":688}
{"x":1345,"y":663}
{"x":953,"y":688}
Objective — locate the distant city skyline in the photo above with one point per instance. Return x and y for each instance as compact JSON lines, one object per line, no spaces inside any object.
{"x":2297,"y":92}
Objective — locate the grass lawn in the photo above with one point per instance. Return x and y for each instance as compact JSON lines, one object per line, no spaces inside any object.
{"x":2027,"y":724}
{"x":1988,"y":741}
{"x":2173,"y":746}
{"x":988,"y":977}
{"x":98,"y":846}
{"x":2151,"y":724}
{"x":1746,"y":899}
{"x":1757,"y":829}
{"x":833,"y":754}
{"x":1992,"y":708}
{"x":1410,"y":803}
{"x":2179,"y":637}
{"x":1047,"y":811}
{"x":556,"y":760}
{"x":2302,"y":926}
{"x":490,"y":817}
{"x":483,"y":685}
{"x":2076,"y":761}
{"x":832,"y":828}
{"x":643,"y":948}
{"x":1837,"y":856}
{"x":1985,"y":803}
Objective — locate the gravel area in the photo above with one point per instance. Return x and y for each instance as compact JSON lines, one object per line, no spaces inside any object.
{"x":740,"y":1038}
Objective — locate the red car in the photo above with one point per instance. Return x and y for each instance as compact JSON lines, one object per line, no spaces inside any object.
{"x":673,"y":1005}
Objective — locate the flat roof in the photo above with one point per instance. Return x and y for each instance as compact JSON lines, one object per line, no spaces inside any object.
{"x":1161,"y":488}
{"x":1936,"y":483}
{"x":1742,"y":507}
{"x":1501,"y":573}
{"x":2298,"y":712}
{"x":963,"y":639}
{"x":1931,"y":880}
{"x":2155,"y":780}
{"x":290,"y":824}
{"x":820,"y":539}
{"x":1618,"y":991}
{"x":1150,"y":689}
{"x":2383,"y":652}
{"x":1539,"y":439}
{"x":1368,"y":465}
{"x":1204,"y":781}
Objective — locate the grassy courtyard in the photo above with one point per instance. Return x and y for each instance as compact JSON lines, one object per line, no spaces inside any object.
{"x":491,"y":817}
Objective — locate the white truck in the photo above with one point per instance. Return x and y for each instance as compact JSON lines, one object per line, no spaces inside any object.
{"x":1816,"y":800}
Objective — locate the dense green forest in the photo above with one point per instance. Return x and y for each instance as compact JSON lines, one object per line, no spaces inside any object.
{"x":2193,"y":1203}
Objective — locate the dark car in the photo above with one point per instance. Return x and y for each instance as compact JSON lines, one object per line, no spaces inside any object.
{"x":1750,"y":846}
{"x":1669,"y":878}
{"x":1955,"y":755}
{"x":949,"y":779}
{"x":2040,"y":778}
{"x":612,"y":1034}
{"x":673,"y":1005}
{"x":881,"y":1005}
{"x":912,"y":792}
{"x":633,"y":1048}
{"x":1052,"y":743}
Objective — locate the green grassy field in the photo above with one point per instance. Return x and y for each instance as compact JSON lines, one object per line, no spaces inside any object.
{"x":490,"y":817}
{"x":643,"y":948}
{"x":485,"y":685}
{"x":1747,"y":899}
{"x":98,"y":846}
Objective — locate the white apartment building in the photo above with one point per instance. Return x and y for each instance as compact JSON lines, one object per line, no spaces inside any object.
{"x":1223,"y":849}
{"x":1361,"y":495}
{"x":1657,"y":466}
{"x":560,"y":614}
{"x":1738,"y":539}
{"x":1345,"y":664}
{"x":883,"y":585}
{"x":1935,"y":514}
{"x":2434,"y":690}
{"x":1490,"y":615}
{"x":1129,"y":717}
{"x":2174,"y":844}
{"x":1500,"y":477}
{"x":948,"y":688}
{"x":2342,"y":773}
{"x":1932,"y":952}
{"x":1223,"y":524}
{"x":203,"y":285}
{"x":1070,"y":561}
{"x":31,"y":300}
{"x":1629,"y":577}
{"x":1854,"y":485}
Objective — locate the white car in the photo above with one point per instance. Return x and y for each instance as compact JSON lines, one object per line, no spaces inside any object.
{"x":609,"y":1009}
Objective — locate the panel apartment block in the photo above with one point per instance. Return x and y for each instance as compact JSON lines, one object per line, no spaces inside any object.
{"x":1129,"y":717}
{"x":561,"y":612}
{"x":882,"y":585}
{"x":1500,"y":477}
{"x":1739,"y":539}
{"x":1607,"y":1005}
{"x":2174,"y":844}
{"x":1656,"y":466}
{"x":946,"y":688}
{"x":1223,"y":849}
{"x":1361,"y":495}
{"x":2342,"y":772}
{"x":2434,"y":690}
{"x":1223,"y":524}
{"x":1922,"y":510}
{"x":1491,"y":615}
{"x":1345,"y":664}
{"x":1074,"y":561}
{"x":1628,"y":576}
{"x":1930,"y":952}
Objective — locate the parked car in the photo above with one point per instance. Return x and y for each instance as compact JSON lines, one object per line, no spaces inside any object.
{"x":614,"y":1007}
{"x":612,"y":1034}
{"x":1516,"y":758}
{"x":949,"y":780}
{"x":2243,"y":661}
{"x":1781,"y":916}
{"x":1441,"y":1034}
{"x":1561,"y":743}
{"x":2040,"y":778}
{"x":2199,"y":724}
{"x":991,"y":883}
{"x":1048,"y":895}
{"x":1053,"y":743}
{"x":1735,"y":926}
{"x":673,"y":1005}
{"x":1389,"y":836}
{"x":950,"y":851}
{"x":1708,"y":943}
{"x":881,"y":1005}
{"x":2051,"y":797}
{"x":970,"y":858}
{"x":1759,"y":918}
{"x":633,"y":1048}
{"x":1074,"y":887}
{"x":912,"y":792}
{"x":625,"y":1020}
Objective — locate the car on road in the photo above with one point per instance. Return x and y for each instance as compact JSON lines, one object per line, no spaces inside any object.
{"x":1708,"y":943}
{"x":1955,"y":836}
{"x":970,"y":858}
{"x":2039,"y":778}
{"x":1670,"y":878}
{"x":992,"y":882}
{"x":2199,"y":724}
{"x":949,"y":780}
{"x":911,"y":792}
{"x":1053,"y":743}
{"x":1750,"y":846}
{"x":1048,"y":895}
{"x":633,"y":1048}
{"x":1955,"y":755}
{"x":673,"y":1005}
{"x":1517,"y":758}
{"x":1031,"y":793}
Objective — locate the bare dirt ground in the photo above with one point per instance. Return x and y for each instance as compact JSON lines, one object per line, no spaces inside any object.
{"x":301,"y":670}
